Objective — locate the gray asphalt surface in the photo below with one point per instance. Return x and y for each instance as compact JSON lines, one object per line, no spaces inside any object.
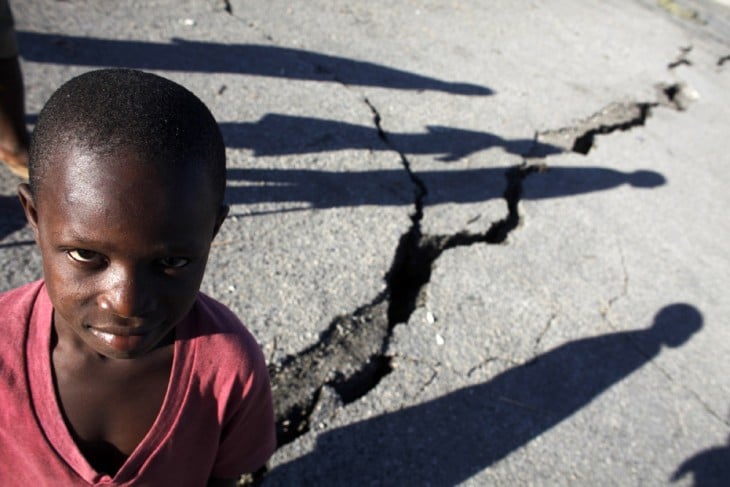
{"x":479,"y":242}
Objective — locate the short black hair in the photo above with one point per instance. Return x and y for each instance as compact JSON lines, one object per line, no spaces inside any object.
{"x":110,"y":109}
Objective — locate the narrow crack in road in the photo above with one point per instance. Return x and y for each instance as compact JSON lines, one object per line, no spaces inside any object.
{"x":682,"y":58}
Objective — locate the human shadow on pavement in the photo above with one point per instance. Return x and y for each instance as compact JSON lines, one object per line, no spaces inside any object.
{"x":276,"y":134}
{"x":12,"y":217}
{"x":332,"y":189}
{"x":212,"y":57}
{"x":448,"y":440}
{"x":710,"y":468}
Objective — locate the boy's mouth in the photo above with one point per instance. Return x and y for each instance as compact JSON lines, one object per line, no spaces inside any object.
{"x":120,"y":330}
{"x":115,"y":341}
{"x":122,"y":339}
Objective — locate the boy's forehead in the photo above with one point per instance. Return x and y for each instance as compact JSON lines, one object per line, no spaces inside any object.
{"x":80,"y":175}
{"x":83,"y":197}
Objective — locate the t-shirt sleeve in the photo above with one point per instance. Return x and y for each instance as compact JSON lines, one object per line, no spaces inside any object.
{"x":248,"y":436}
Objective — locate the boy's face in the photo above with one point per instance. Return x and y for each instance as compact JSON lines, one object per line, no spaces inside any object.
{"x":124,"y":247}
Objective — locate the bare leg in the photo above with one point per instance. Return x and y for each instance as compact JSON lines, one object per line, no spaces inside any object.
{"x":14,"y":138}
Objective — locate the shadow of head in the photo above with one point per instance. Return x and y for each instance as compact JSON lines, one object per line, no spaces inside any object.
{"x":676,"y":323}
{"x":646,"y":179}
{"x":710,"y":467}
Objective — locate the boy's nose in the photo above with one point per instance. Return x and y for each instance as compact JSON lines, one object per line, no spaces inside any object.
{"x":128,"y":295}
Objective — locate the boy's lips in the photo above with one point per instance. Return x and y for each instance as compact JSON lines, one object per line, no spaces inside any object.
{"x":122,"y":338}
{"x":122,"y":330}
{"x":119,"y":343}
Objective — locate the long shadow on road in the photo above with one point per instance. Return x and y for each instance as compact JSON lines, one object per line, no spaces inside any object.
{"x":11,"y":215}
{"x":332,"y":189}
{"x":212,"y":57}
{"x":449,"y":439}
{"x":277,"y":134}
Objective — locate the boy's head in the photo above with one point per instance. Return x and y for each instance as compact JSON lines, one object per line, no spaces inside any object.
{"x":127,"y":173}
{"x":104,"y":111}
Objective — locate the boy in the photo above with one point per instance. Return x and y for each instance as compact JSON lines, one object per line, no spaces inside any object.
{"x":114,"y":369}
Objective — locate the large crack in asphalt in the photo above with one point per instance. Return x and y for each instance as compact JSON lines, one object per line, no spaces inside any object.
{"x":581,"y":137}
{"x":350,"y":356}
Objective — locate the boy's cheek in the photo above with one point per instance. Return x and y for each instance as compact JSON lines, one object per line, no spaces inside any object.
{"x":60,"y":281}
{"x":65,"y":283}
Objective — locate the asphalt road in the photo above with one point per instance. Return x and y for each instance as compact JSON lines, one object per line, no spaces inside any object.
{"x":479,"y":242}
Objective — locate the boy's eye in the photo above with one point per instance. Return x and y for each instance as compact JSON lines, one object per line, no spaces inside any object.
{"x":174,"y":262}
{"x":82,"y":255}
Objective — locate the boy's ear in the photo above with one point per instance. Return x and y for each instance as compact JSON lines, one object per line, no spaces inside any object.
{"x":29,"y":207}
{"x":222,"y":214}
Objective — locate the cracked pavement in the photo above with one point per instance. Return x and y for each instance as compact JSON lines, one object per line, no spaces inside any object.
{"x":478,"y":244}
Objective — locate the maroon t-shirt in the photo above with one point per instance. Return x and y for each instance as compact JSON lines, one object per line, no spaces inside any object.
{"x":216,"y":419}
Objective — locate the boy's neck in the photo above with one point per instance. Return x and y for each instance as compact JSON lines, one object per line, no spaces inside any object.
{"x":97,"y":394}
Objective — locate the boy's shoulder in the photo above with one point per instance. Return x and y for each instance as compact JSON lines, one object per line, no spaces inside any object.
{"x":211,"y":317}
{"x":215,"y":325}
{"x":16,"y":308}
{"x":30,"y":289}
{"x":19,"y":302}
